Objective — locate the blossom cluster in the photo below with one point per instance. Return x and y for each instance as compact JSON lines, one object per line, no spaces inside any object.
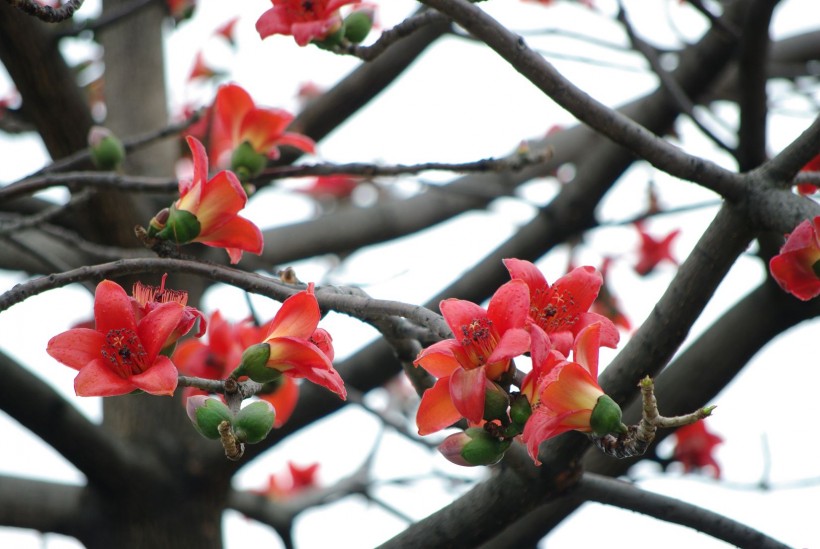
{"x":474,"y":370}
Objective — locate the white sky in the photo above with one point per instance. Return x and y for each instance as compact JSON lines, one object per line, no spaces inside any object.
{"x":484,"y":109}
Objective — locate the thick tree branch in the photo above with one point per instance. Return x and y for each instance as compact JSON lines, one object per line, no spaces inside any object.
{"x":592,"y":487}
{"x":103,"y":458}
{"x":46,"y":506}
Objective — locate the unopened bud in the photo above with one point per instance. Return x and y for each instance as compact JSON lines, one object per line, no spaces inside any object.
{"x":358,"y":24}
{"x":474,"y":446}
{"x":253,"y":422}
{"x":206,"y":413}
{"x":107,"y":152}
{"x":606,"y":417}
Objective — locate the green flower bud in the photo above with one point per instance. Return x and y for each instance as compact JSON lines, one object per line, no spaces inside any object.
{"x":606,"y":417}
{"x":474,"y":446}
{"x":496,"y":402}
{"x":253,"y":422}
{"x":246,"y":162}
{"x":182,"y":226}
{"x":520,"y":410}
{"x":206,"y":413}
{"x":254,"y":364}
{"x":158,"y":222}
{"x":358,"y":24}
{"x":107,"y":152}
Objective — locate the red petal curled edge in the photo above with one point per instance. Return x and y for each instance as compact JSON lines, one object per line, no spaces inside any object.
{"x":76,"y":347}
{"x":156,"y":326}
{"x":524,"y":270}
{"x":436,"y":410}
{"x":299,"y":358}
{"x":438,"y":359}
{"x":222,"y":198}
{"x":467,"y":390}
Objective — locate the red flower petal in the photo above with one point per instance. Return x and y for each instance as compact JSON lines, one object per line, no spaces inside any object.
{"x":438,"y":358}
{"x":159,"y":379}
{"x":543,"y":425}
{"x":298,"y":316}
{"x":222,"y":197}
{"x":97,"y":379}
{"x":458,"y":313}
{"x":510,"y":306}
{"x":76,"y":347}
{"x":236,"y":236}
{"x":299,"y":358}
{"x":112,"y":308}
{"x":526,"y":271}
{"x":585,"y":351}
{"x":467,"y":390}
{"x":436,"y":410}
{"x":513,"y":343}
{"x":156,"y":326}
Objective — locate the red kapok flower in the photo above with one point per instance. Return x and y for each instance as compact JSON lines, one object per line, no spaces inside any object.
{"x":214,"y":205}
{"x":298,"y":348}
{"x":332,"y":186}
{"x":796,"y":267}
{"x":201,"y":69}
{"x":562,"y":310}
{"x":227,"y":30}
{"x":305,"y":20}
{"x":694,"y":448}
{"x":484,"y":344}
{"x":147,"y":298}
{"x":121,"y":353}
{"x":654,"y":251}
{"x":563,"y":394}
{"x":812,"y":165}
{"x":237,"y":120}
{"x":290,"y":482}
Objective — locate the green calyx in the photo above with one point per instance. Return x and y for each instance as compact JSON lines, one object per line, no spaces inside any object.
{"x":182,"y":226}
{"x":246,"y":162}
{"x":496,"y":402}
{"x":606,"y":417}
{"x":254,"y":364}
{"x":520,"y":410}
{"x":816,"y":268}
{"x":483,"y":448}
{"x":253,"y":422}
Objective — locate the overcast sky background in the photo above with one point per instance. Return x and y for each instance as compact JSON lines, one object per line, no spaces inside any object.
{"x":461,"y":103}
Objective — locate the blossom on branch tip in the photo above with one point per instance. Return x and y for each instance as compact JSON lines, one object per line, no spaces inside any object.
{"x":122,"y":353}
{"x":562,"y":310}
{"x":244,"y":136}
{"x":797,"y":267}
{"x":565,"y":394}
{"x":294,"y":346}
{"x":481,"y":352}
{"x":305,"y":20}
{"x":695,"y":446}
{"x":207,"y":211}
{"x":653,"y":251}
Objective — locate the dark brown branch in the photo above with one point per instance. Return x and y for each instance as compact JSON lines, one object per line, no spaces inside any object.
{"x":391,"y":36}
{"x":592,"y":487}
{"x":45,"y":506}
{"x":610,"y":123}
